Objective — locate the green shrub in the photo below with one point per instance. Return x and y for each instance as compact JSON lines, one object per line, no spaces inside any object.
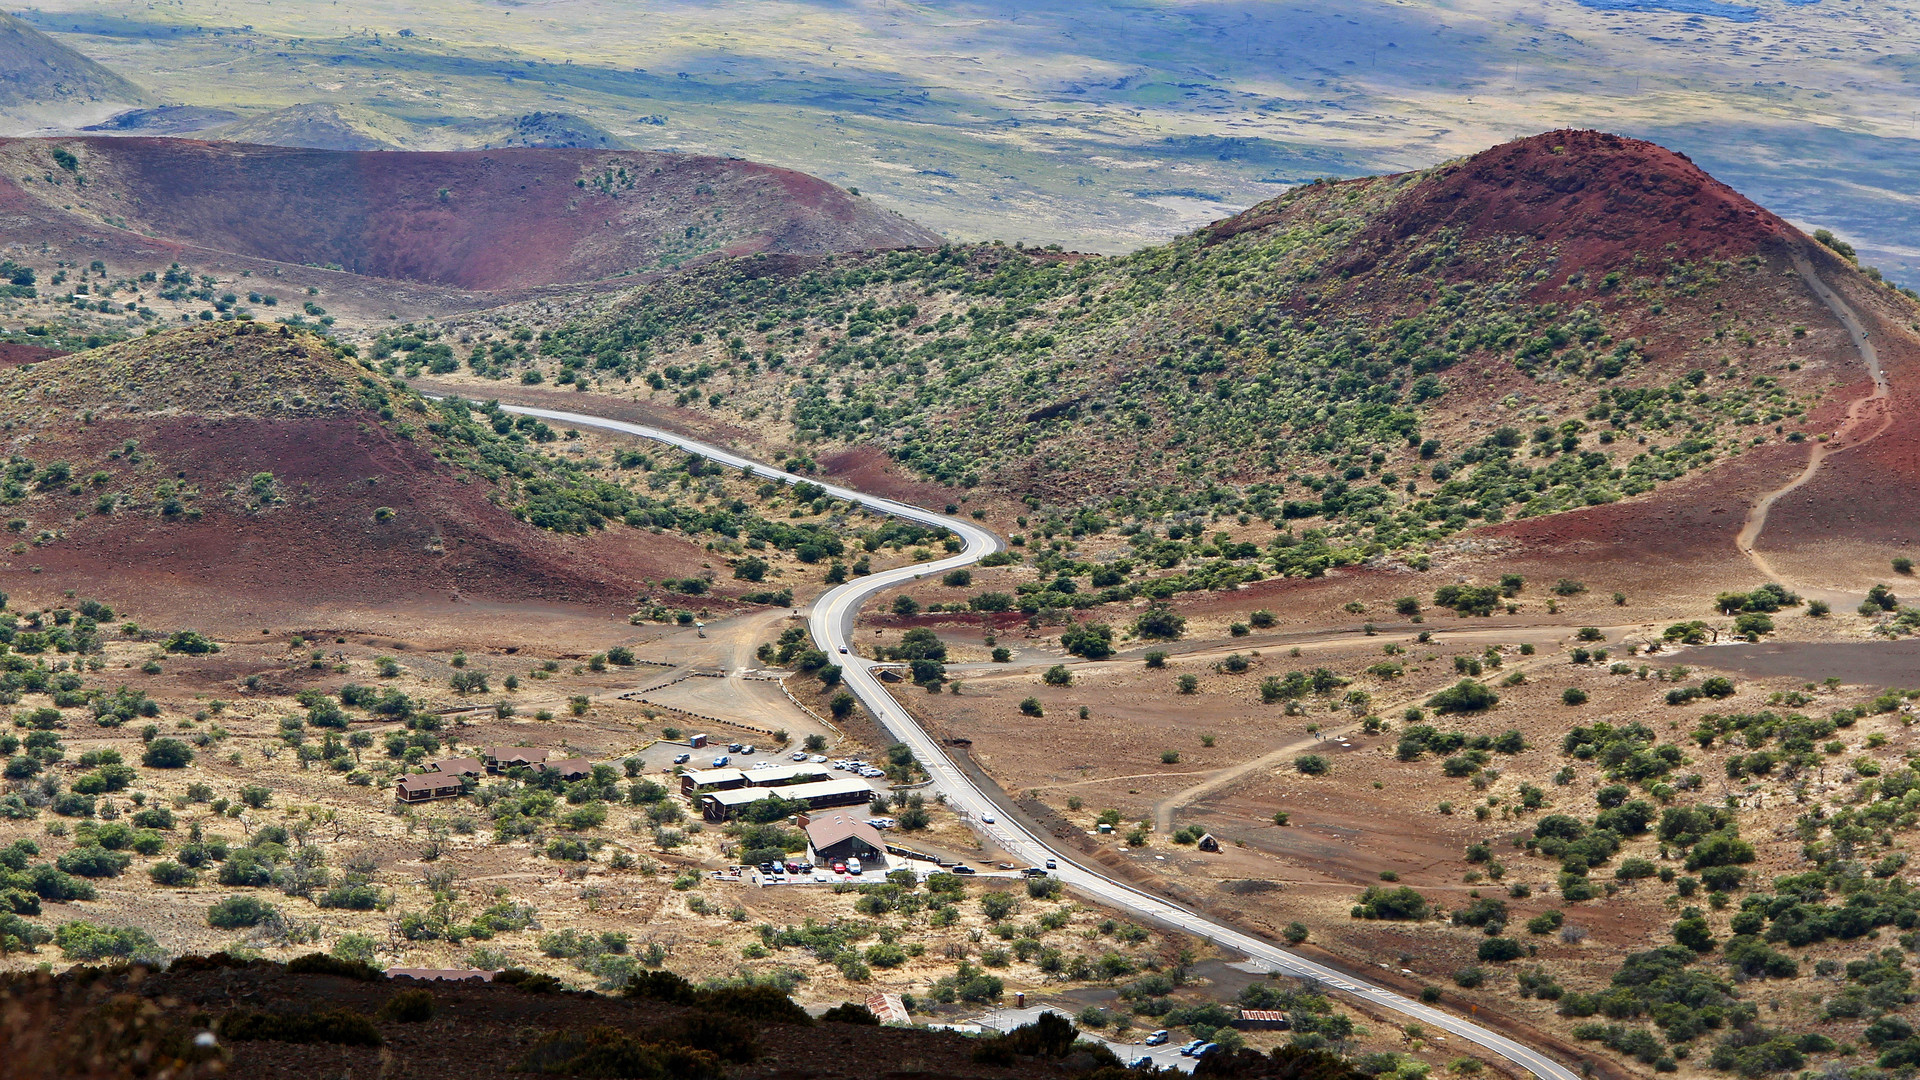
{"x":407,"y":1007}
{"x":236,"y":912}
{"x":322,"y":964}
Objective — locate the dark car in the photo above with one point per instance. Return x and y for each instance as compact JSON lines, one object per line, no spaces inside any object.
{"x":963,"y":868}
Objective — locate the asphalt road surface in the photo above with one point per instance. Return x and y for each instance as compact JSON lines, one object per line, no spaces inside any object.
{"x":831,"y":622}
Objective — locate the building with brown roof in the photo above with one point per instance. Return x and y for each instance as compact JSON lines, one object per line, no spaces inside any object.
{"x":427,"y":786}
{"x":837,"y":837}
{"x":502,"y":758}
{"x":458,"y":766}
{"x":569,"y":768}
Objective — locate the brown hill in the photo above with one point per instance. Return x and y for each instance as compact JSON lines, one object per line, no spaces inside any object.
{"x":240,"y":464}
{"x":37,"y":70}
{"x":512,"y":218}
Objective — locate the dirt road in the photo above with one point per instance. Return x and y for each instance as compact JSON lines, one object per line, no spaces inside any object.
{"x":1866,"y":419}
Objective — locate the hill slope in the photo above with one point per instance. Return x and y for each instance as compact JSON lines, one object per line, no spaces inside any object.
{"x":37,"y":70}
{"x":1568,"y":320}
{"x":242,"y":463}
{"x":512,"y":218}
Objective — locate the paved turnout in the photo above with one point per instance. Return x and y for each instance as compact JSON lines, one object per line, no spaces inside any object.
{"x":831,"y":622}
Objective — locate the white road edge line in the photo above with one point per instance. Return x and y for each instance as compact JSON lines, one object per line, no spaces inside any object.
{"x":831,"y":623}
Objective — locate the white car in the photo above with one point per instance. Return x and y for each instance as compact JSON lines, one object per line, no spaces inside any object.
{"x":873,"y":774}
{"x":822,"y":876}
{"x":818,"y":759}
{"x":766,"y":765}
{"x":798,"y":755}
{"x":747,"y":749}
{"x":853,"y":866}
{"x":987,"y":818}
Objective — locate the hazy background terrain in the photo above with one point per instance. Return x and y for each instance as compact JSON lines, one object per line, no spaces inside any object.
{"x":1100,"y":126}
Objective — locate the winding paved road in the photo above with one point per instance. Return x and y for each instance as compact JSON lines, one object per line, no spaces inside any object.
{"x":831,"y":623}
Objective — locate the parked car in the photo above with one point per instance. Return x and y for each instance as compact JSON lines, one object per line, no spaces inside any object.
{"x":722,"y":761}
{"x":1158,"y":1038}
{"x":1204,"y":1049}
{"x":682,"y":759}
{"x":818,"y":759}
{"x":963,"y":868}
{"x":821,"y":875}
{"x":839,"y":868}
{"x":793,"y":868}
{"x":853,"y":866}
{"x":873,"y":774}
{"x":1188,"y":1049}
{"x":798,"y":755}
{"x":733,"y":747}
{"x":766,"y":868}
{"x":1141,"y":1062}
{"x":1034,"y":871}
{"x":747,"y":749}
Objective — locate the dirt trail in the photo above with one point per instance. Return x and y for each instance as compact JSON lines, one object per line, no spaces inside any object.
{"x":1867,"y":418}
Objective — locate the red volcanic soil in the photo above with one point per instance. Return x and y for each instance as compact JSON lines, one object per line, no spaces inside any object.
{"x":1601,"y":199}
{"x":13,"y":353}
{"x":495,"y":219}
{"x":328,"y":543}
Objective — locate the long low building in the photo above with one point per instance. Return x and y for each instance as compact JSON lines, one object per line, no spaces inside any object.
{"x":697,"y":782}
{"x":721,"y":805}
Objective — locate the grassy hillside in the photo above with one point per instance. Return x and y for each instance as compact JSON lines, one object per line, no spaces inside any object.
{"x":1563,"y":321}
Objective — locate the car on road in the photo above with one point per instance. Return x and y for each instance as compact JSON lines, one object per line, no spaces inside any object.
{"x":798,"y":755}
{"x":1157,"y":1038}
{"x":1034,"y":871}
{"x":1051,"y":866}
{"x":682,"y":759}
{"x":853,"y":866}
{"x":987,"y":818}
{"x":963,"y":868}
{"x":843,"y":650}
{"x":722,"y":761}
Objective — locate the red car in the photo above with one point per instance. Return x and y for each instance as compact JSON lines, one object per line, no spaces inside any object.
{"x":839,"y":868}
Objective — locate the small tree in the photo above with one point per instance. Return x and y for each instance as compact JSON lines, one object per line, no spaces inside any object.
{"x":167,"y":754}
{"x":1031,"y":707}
{"x":1057,"y":675}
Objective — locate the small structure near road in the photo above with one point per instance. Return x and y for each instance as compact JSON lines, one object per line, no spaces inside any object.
{"x":1263,"y":1020}
{"x":1207,"y":842}
{"x":888,"y":1008}
{"x":837,"y":837}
